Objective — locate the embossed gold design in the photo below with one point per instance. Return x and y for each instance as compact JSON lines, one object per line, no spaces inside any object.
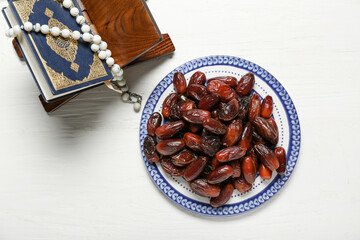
{"x":97,"y":69}
{"x":65,"y":48}
{"x":25,"y":8}
{"x":49,"y":13}
{"x":59,"y":80}
{"x":74,"y":66}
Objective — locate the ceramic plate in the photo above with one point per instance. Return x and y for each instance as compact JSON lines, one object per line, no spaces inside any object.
{"x":176,"y":188}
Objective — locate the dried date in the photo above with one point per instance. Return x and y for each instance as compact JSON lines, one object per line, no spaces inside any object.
{"x":230,"y":153}
{"x":266,"y":156}
{"x":246,"y":136}
{"x":203,"y":188}
{"x":193,"y":141}
{"x":153,"y":123}
{"x":196,"y":91}
{"x":241,"y":184}
{"x":281,"y":156}
{"x":245,"y":84}
{"x":233,"y":133}
{"x":209,"y":101}
{"x":197,"y":78}
{"x":170,"y":168}
{"x":265,"y":130}
{"x":179,"y":82}
{"x":194,"y":169}
{"x":266,"y":107}
{"x":255,"y":107}
{"x":229,"y":80}
{"x":170,"y":146}
{"x":244,"y":105}
{"x":225,"y":91}
{"x":196,"y":115}
{"x":264,"y":172}
{"x":210,"y":143}
{"x":168,"y":104}
{"x":249,"y":170}
{"x":220,"y":174}
{"x":214,"y":126}
{"x":230,"y":110}
{"x":225,"y":193}
{"x":183,"y":158}
{"x":169,"y":130}
{"x":149,"y":148}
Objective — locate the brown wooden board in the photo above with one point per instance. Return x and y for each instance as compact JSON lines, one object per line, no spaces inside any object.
{"x":127,"y":26}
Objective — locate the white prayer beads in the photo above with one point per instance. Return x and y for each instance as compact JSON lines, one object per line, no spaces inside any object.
{"x":97,"y":45}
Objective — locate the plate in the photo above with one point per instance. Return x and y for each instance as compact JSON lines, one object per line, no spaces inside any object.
{"x":284,"y":112}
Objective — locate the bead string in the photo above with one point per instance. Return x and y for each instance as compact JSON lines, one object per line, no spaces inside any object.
{"x":97,"y":46}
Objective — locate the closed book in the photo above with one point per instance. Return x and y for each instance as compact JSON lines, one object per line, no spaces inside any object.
{"x":60,"y":66}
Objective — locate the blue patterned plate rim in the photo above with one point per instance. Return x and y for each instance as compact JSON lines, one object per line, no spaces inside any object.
{"x":292,"y":152}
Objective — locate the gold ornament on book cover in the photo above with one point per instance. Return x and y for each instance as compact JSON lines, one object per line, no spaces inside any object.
{"x":65,"y":48}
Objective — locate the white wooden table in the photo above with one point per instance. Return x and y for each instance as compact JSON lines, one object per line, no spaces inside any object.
{"x":78,"y":173}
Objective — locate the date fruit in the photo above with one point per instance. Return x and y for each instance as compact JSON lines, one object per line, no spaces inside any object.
{"x":194,"y":169}
{"x":264,"y":172}
{"x":169,"y":130}
{"x":266,"y":107}
{"x":209,"y":101}
{"x":266,"y":156}
{"x":194,"y":128}
{"x":196,"y":91}
{"x":179,"y":82}
{"x":249,"y":170}
{"x":246,"y":136}
{"x":281,"y":156}
{"x":193,"y":141}
{"x":210,"y":143}
{"x":168,"y":104}
{"x":224,"y":196}
{"x":183,"y":158}
{"x":196,"y":115}
{"x":246,"y":84}
{"x":236,"y":165}
{"x":255,"y":107}
{"x":233,"y":133}
{"x":150,"y":149}
{"x":230,"y":110}
{"x":197,"y":78}
{"x":225,"y":91}
{"x":229,"y":80}
{"x":230,"y":153}
{"x":202,"y":187}
{"x":214,"y":126}
{"x":244,"y":105}
{"x":153,"y":123}
{"x":241,"y":184}
{"x":170,"y":146}
{"x":170,"y":168}
{"x":265,"y":130}
{"x":220,"y":174}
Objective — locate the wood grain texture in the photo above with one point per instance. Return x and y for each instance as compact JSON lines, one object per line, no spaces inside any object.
{"x":125,"y":25}
{"x":17,"y":49}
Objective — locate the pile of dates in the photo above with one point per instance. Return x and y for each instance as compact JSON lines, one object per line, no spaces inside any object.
{"x":217,"y":138}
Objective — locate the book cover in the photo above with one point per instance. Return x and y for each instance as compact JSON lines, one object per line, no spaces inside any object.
{"x":67,"y":65}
